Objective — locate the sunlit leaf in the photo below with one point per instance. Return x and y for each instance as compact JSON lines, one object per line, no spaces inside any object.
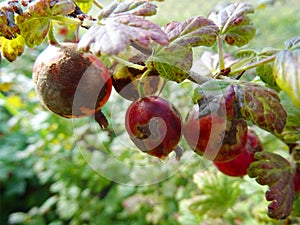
{"x":287,"y":73}
{"x":117,"y":32}
{"x":193,"y":32}
{"x":276,"y":172}
{"x":33,"y":29}
{"x":85,"y":5}
{"x":138,"y":8}
{"x":234,"y":23}
{"x":13,"y":48}
{"x":265,"y":72}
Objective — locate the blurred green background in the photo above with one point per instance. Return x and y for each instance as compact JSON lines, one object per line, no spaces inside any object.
{"x":58,"y":171}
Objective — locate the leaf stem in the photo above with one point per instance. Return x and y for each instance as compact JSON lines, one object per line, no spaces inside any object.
{"x":98,"y":4}
{"x":253,"y":65}
{"x":51,"y":38}
{"x":221,"y":53}
{"x":142,"y":81}
{"x":127,"y":63}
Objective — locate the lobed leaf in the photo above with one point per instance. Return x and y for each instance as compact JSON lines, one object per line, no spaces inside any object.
{"x":117,"y":32}
{"x":287,"y":73}
{"x":33,"y":29}
{"x":137,"y":8}
{"x":46,"y":8}
{"x":193,"y":32}
{"x":172,"y":62}
{"x":234,"y":23}
{"x":261,"y":105}
{"x":276,"y":172}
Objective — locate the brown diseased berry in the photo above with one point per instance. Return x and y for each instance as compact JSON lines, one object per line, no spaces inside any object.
{"x":70,"y":83}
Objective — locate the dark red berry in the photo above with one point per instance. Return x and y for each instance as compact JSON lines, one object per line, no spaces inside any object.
{"x":154,"y":125}
{"x":297,"y":180}
{"x":239,"y":165}
{"x":213,"y":136}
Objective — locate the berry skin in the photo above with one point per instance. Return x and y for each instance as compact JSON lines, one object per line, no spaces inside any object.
{"x":239,"y":165}
{"x":70,"y":83}
{"x":126,"y":82}
{"x":297,"y":180}
{"x":213,"y":136}
{"x":154,"y":125}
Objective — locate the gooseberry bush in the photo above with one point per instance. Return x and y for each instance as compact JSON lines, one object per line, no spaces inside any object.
{"x":118,"y":47}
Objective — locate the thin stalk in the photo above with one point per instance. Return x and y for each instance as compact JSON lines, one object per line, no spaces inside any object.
{"x":141,"y":84}
{"x":51,"y":38}
{"x":129,"y":64}
{"x":221,"y":53}
{"x":98,"y":4}
{"x":253,"y":65}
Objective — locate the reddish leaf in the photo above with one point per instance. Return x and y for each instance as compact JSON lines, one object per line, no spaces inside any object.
{"x":261,"y":105}
{"x":193,"y":32}
{"x":234,"y":23}
{"x":138,"y":8}
{"x":117,"y":32}
{"x":276,"y":172}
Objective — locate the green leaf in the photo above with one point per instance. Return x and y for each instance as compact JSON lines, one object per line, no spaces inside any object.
{"x":13,"y":48}
{"x":291,"y":132}
{"x":218,"y":194}
{"x":117,"y":32}
{"x":172,"y":62}
{"x":265,"y":72}
{"x":293,"y":113}
{"x":34,"y":23}
{"x":33,"y":29}
{"x":287,"y":73}
{"x":241,"y":34}
{"x":261,"y":105}
{"x":276,"y":172}
{"x":234,"y":23}
{"x":193,"y":32}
